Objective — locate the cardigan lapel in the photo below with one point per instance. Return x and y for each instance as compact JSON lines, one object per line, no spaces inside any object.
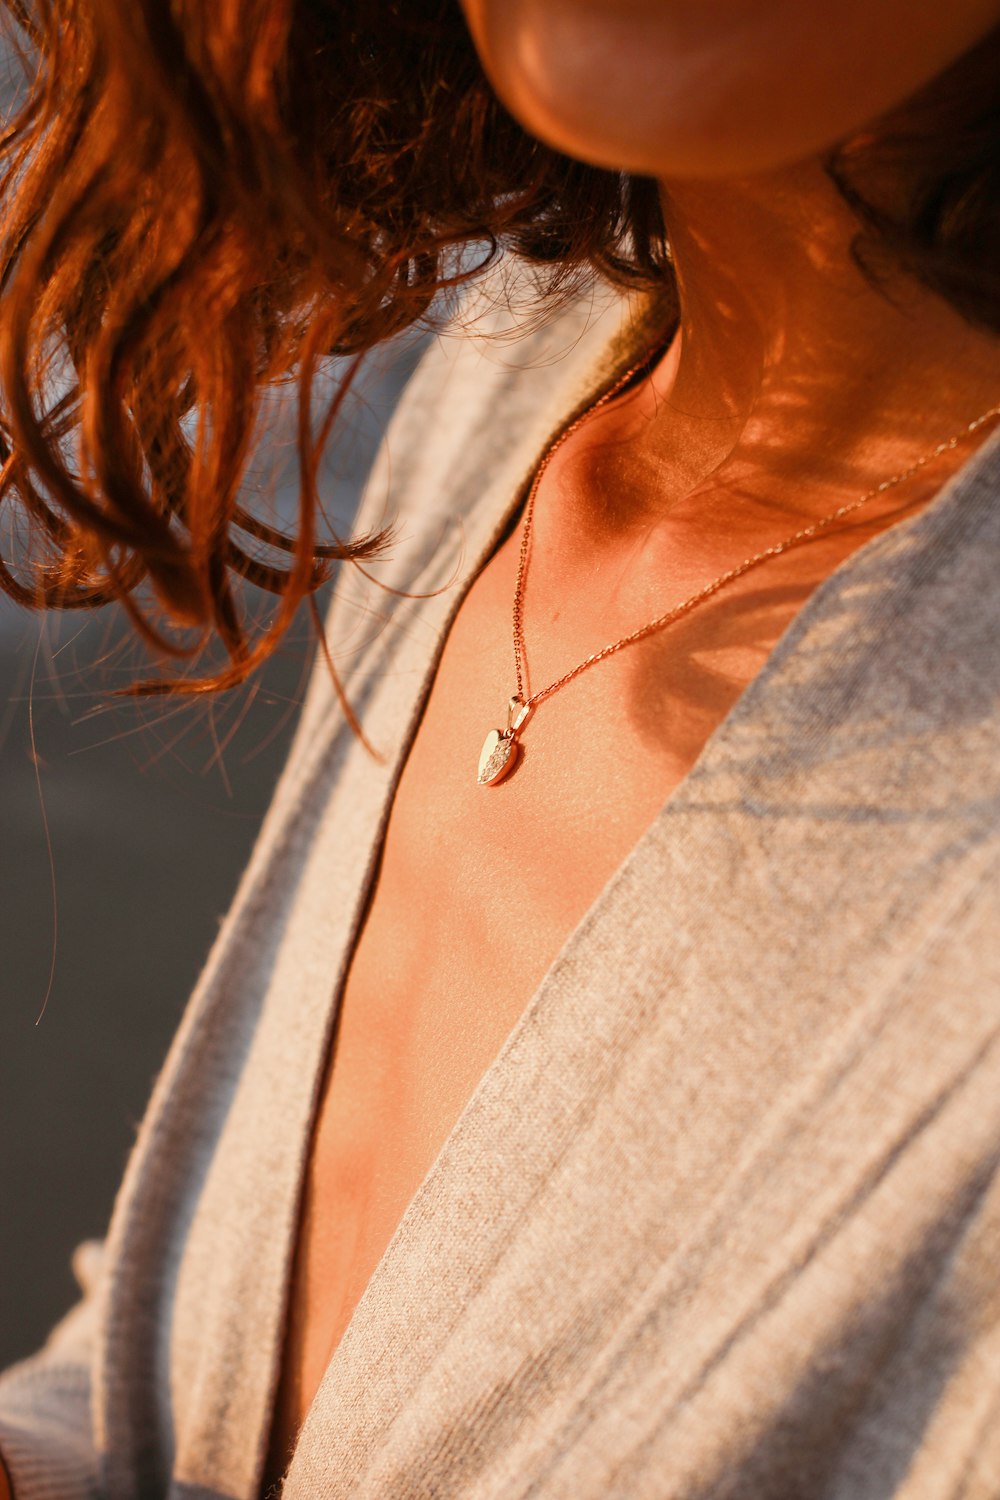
{"x":258,"y":1030}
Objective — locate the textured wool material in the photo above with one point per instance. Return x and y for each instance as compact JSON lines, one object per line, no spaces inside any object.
{"x":722,"y":1219}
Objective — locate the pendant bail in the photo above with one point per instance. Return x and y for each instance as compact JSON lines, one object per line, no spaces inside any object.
{"x":517,"y":715}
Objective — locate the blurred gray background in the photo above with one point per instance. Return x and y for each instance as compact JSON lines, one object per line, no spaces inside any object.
{"x":149,"y":833}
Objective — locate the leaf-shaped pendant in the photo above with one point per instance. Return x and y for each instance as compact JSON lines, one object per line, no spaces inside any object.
{"x":499,"y":752}
{"x":498,"y":755}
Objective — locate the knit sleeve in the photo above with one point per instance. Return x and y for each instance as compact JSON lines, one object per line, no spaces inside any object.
{"x":46,"y":1428}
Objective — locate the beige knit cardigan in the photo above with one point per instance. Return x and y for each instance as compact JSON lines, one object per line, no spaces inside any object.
{"x":722,"y":1219}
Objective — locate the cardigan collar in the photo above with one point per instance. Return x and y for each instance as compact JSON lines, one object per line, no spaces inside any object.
{"x":728,"y":966}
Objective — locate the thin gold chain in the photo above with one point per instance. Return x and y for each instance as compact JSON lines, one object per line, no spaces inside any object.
{"x":675,"y":613}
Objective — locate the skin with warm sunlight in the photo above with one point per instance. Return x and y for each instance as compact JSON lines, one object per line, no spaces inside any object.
{"x":790,"y":387}
{"x":681,"y":88}
{"x":200,"y":202}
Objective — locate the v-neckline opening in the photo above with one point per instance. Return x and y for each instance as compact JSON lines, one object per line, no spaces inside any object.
{"x":498,"y":533}
{"x":743,"y":707}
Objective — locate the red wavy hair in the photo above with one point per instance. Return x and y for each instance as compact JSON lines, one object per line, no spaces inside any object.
{"x":198,"y":201}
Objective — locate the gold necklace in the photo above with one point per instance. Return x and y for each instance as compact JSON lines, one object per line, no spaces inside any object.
{"x":499,"y":752}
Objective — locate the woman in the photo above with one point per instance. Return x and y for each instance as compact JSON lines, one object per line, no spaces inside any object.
{"x":609,"y":1108}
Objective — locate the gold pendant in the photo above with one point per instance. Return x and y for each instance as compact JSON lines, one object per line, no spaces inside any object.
{"x":499,"y":751}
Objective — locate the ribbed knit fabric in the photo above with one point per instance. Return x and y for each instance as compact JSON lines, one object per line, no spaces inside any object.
{"x":722,"y":1219}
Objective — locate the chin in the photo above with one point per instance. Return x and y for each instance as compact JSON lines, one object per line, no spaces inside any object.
{"x":705,"y":89}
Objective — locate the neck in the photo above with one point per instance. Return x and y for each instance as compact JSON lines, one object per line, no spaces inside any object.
{"x":786,"y":348}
